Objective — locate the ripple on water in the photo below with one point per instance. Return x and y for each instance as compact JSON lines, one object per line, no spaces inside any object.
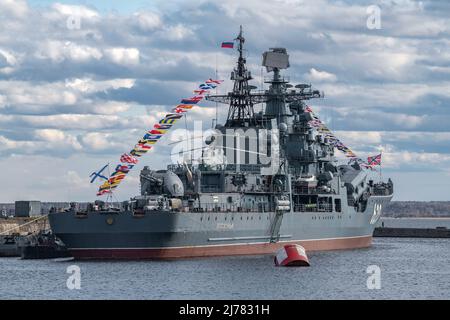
{"x":410,"y":269}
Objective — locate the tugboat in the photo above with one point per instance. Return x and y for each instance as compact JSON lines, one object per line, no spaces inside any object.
{"x":274,"y":181}
{"x":43,"y":245}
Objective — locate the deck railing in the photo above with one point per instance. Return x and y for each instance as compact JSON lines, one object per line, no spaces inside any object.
{"x":313,"y":207}
{"x":230,"y":207}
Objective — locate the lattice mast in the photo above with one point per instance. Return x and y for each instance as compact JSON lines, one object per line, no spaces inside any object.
{"x":240,"y":112}
{"x":241,"y":100}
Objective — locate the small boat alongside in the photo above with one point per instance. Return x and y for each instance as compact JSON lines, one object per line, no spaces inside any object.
{"x":43,"y":245}
{"x":8,"y":246}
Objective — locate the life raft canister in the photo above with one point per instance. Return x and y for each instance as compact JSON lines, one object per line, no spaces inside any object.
{"x":291,"y":255}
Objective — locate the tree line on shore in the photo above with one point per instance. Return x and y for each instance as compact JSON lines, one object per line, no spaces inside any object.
{"x":401,"y":209}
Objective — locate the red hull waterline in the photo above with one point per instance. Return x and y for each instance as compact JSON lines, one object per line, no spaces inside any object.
{"x":219,"y":250}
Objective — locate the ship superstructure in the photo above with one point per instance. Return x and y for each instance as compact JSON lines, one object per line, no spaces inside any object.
{"x":264,"y":179}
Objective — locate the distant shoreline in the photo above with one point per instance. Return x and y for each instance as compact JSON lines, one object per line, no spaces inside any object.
{"x":416,"y":209}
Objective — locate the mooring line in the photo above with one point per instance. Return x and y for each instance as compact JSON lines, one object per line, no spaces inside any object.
{"x":22,"y":225}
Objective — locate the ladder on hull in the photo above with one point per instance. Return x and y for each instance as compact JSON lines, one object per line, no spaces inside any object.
{"x":282,"y":205}
{"x":276,"y":225}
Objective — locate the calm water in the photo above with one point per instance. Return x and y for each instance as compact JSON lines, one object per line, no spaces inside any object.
{"x":410,"y":268}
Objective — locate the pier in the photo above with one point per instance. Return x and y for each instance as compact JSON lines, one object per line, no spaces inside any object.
{"x":413,"y":228}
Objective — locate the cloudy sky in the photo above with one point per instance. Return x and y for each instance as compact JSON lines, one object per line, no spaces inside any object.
{"x":80,"y":81}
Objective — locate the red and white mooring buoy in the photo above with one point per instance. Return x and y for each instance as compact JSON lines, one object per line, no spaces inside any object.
{"x":292,"y":255}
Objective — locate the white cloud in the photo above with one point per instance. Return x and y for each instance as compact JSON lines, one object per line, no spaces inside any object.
{"x":75,"y":10}
{"x":408,"y":121}
{"x":74,"y":121}
{"x":44,"y":141}
{"x":75,"y":179}
{"x":17,"y":8}
{"x":9,"y":56}
{"x":110,"y":107}
{"x":355,"y":138}
{"x":178,"y":32}
{"x":22,"y":92}
{"x":319,"y":76}
{"x":57,"y":138}
{"x":50,"y":135}
{"x":7,"y":144}
{"x":148,"y":21}
{"x":404,"y":158}
{"x":10,"y":59}
{"x":366,"y":95}
{"x":59,"y":51}
{"x":89,"y":85}
{"x":124,"y":56}
{"x":99,"y":141}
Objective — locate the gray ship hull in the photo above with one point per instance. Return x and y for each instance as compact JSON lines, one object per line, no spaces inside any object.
{"x":162,"y":234}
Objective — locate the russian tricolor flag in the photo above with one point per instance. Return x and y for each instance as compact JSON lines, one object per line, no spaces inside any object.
{"x":229,"y":45}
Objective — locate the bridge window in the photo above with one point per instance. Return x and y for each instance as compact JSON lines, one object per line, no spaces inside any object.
{"x":337,"y":205}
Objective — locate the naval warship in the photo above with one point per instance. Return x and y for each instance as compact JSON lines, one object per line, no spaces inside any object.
{"x":265,"y":179}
